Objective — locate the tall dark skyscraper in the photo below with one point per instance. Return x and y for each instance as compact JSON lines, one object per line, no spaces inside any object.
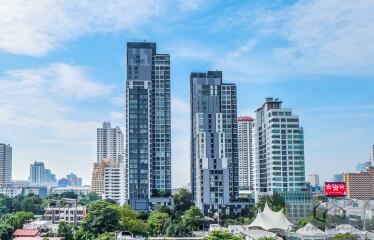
{"x":214,"y":149}
{"x":148,"y":124}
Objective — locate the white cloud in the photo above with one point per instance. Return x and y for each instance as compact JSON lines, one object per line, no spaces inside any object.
{"x":330,"y":36}
{"x":188,"y":5}
{"x":41,"y":120}
{"x":307,"y":37}
{"x":179,"y":106}
{"x":36,"y":27}
{"x":189,"y":50}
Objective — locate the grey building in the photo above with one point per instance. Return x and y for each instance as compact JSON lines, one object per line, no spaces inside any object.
{"x":110,"y":143}
{"x":148,"y":124}
{"x":5,"y":164}
{"x":278,"y":142}
{"x":214,"y":149}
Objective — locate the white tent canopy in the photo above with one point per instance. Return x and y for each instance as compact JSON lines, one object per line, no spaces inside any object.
{"x":310,"y":230}
{"x":271,"y":221}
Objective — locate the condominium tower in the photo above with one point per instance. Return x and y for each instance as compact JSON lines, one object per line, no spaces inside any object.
{"x":214,"y":149}
{"x":278,"y":150}
{"x":110,"y":143}
{"x":148,"y":129}
{"x":5,"y":164}
{"x":245,"y":152}
{"x":39,"y":175}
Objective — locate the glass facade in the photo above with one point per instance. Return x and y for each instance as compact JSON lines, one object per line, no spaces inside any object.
{"x":279,"y":150}
{"x":214,"y":150}
{"x":148,"y":124}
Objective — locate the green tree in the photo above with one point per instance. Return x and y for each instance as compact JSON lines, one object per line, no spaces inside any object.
{"x":131,"y":222}
{"x":6,"y":231}
{"x":192,"y":218}
{"x":101,"y":217}
{"x":106,"y":236}
{"x":182,"y":200}
{"x":157,"y":223}
{"x":222,"y":235}
{"x":177,"y":229}
{"x":5,"y":204}
{"x":65,"y":230}
{"x":345,"y":236}
{"x":30,"y":203}
{"x":17,"y":219}
{"x":266,"y":238}
{"x":275,"y":202}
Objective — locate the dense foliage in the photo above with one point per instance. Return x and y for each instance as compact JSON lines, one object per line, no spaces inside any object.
{"x":104,"y":218}
{"x":222,"y":235}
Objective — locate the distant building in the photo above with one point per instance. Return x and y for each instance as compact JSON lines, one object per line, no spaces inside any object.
{"x":76,"y":190}
{"x":97,"y":180}
{"x":63,"y":182}
{"x":360,"y":185}
{"x":65,"y":210}
{"x":363,"y":166}
{"x":20,"y":183}
{"x":5,"y":164}
{"x":110,"y":143}
{"x":41,"y":191}
{"x":338,"y":178}
{"x":313,"y":180}
{"x":278,"y":141}
{"x":74,"y":180}
{"x":40,"y":176}
{"x":11,"y":191}
{"x":245,"y":154}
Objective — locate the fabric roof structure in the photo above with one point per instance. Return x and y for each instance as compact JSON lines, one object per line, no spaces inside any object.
{"x":256,"y":234}
{"x":310,"y":230}
{"x":271,"y":221}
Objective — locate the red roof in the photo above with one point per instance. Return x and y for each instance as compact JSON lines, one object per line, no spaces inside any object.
{"x":26,"y":233}
{"x":245,"y":119}
{"x":38,"y":238}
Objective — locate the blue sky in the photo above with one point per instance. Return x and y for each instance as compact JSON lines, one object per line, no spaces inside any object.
{"x":62,"y":72}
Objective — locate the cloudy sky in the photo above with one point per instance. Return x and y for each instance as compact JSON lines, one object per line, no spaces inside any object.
{"x":62,"y":72}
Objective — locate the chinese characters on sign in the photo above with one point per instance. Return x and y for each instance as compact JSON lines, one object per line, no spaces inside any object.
{"x":335,"y":189}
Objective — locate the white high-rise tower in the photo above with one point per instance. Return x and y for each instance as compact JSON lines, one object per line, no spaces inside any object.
{"x":245,"y":153}
{"x":110,"y":143}
{"x":278,"y":143}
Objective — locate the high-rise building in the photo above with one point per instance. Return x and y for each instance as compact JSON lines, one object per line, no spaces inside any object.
{"x":5,"y":164}
{"x":74,"y":180}
{"x":214,"y":149}
{"x":37,"y":173}
{"x":313,"y":180}
{"x":245,"y":152}
{"x":110,"y":143}
{"x":278,"y":143}
{"x":114,"y":182}
{"x":97,"y":180}
{"x":148,"y":124}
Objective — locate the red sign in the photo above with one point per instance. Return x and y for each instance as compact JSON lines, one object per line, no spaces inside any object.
{"x":245,"y":119}
{"x":335,"y":189}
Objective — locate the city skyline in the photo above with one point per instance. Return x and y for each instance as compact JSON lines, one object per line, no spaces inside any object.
{"x":71,"y":81}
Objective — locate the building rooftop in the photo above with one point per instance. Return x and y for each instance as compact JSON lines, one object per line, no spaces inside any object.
{"x":26,"y":232}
